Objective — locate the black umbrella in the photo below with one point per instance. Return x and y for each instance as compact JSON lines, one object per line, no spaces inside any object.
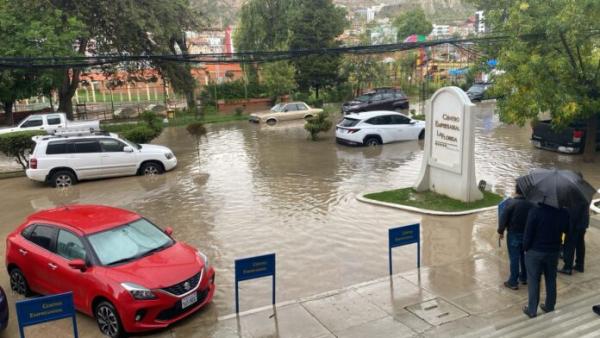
{"x":556,"y":188}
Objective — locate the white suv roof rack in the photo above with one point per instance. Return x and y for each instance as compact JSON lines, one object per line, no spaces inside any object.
{"x":71,"y":133}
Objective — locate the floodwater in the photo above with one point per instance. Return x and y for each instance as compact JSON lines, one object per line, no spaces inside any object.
{"x":258,"y":189}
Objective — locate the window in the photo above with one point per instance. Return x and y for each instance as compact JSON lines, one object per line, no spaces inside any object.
{"x":57,"y":147}
{"x":399,"y":119}
{"x":86,"y":146}
{"x":290,"y":107}
{"x":43,"y":236}
{"x":27,"y":231}
{"x":348,"y":122}
{"x":69,"y":246}
{"x":34,"y":121}
{"x":399,"y":96}
{"x":128,"y":242}
{"x":301,"y":106}
{"x":380,"y":120}
{"x":111,"y":145}
{"x":387,"y":96}
{"x":53,"y":119}
{"x":377,"y":97}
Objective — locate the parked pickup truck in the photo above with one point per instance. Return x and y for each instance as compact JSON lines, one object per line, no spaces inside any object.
{"x":570,"y":140}
{"x":51,"y":123}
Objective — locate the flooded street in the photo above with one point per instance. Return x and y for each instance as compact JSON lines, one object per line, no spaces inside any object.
{"x":259,"y":189}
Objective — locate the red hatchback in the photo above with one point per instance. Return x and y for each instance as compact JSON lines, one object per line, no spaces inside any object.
{"x":122,"y":269}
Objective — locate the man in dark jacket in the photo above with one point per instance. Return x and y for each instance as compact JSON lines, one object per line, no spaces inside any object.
{"x":575,"y":239}
{"x":541,"y":242}
{"x":513,"y":219}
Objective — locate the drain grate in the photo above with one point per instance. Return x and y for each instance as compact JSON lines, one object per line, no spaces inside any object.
{"x":437,"y":311}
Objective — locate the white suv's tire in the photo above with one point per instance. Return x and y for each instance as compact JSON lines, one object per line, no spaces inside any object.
{"x":63,"y":179}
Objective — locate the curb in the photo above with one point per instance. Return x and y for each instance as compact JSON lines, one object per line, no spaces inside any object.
{"x":361,"y":197}
{"x":12,"y":174}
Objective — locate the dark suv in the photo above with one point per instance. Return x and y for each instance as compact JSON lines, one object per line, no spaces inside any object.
{"x":379,"y":99}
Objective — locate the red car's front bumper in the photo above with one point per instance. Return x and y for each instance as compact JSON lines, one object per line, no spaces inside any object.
{"x":139,"y":316}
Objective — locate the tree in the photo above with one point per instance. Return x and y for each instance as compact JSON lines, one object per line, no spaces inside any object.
{"x":313,"y":29}
{"x":278,"y":78}
{"x":318,"y":124}
{"x":551,"y":62}
{"x":263,"y":25}
{"x":363,"y":71}
{"x":196,"y":130}
{"x":124,"y":27}
{"x":412,"y":22}
{"x":32,"y":29}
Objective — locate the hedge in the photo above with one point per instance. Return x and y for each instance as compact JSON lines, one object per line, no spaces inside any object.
{"x":19,"y":145}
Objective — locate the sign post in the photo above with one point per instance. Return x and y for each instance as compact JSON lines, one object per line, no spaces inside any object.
{"x":251,"y":268}
{"x":45,"y":309}
{"x":403,"y":236}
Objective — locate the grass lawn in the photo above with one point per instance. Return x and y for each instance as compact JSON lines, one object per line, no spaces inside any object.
{"x":183,"y":120}
{"x":433,"y":201}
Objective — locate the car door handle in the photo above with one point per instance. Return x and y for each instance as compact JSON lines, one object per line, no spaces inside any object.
{"x":23,"y":252}
{"x":52,"y":266}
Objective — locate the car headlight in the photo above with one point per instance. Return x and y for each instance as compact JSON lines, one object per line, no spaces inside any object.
{"x":203,"y":257}
{"x":138,"y":292}
{"x":169,"y":156}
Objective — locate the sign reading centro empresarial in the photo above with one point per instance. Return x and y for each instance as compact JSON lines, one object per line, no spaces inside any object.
{"x":251,"y":268}
{"x":448,"y":166}
{"x":45,"y":309}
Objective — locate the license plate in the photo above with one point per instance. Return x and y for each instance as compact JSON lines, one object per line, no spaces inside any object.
{"x":189,"y":300}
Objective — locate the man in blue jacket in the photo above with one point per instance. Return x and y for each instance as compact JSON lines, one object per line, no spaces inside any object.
{"x":541,"y":242}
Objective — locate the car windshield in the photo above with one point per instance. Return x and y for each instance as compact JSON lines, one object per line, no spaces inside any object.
{"x":477,"y":88}
{"x":348,"y":122}
{"x":128,"y":242}
{"x":278,"y":108}
{"x":363,"y":98}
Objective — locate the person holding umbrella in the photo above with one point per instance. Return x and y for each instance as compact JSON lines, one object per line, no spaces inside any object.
{"x":513,"y":219}
{"x":554,"y":191}
{"x":574,"y":246}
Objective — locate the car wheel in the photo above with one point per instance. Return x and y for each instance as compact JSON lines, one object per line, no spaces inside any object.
{"x":372,"y":141}
{"x":63,"y":179}
{"x":308,"y":117}
{"x":151,"y":169}
{"x":271,"y":122}
{"x":18,"y":283}
{"x":108,"y":320}
{"x":422,"y":135}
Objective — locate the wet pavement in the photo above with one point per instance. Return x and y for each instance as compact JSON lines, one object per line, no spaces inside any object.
{"x":258,"y":189}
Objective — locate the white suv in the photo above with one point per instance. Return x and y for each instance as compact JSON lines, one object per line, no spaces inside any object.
{"x":64,"y":160}
{"x":378,"y":127}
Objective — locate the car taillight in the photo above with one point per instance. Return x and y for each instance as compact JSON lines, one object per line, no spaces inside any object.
{"x":33,"y":163}
{"x":352,"y":131}
{"x":577,"y":135}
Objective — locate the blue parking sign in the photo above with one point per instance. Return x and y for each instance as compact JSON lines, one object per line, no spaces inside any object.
{"x":404,"y":235}
{"x":251,"y":268}
{"x":45,"y":309}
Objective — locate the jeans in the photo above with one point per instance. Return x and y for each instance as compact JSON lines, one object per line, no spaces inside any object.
{"x":574,"y":246}
{"x":538,"y":262}
{"x":516,"y":257}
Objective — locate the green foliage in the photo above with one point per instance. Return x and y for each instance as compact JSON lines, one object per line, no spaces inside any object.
{"x":18,"y":145}
{"x":149,"y":128}
{"x":278,"y":78}
{"x":433,"y":201}
{"x":141,"y":133}
{"x":310,"y":29}
{"x":551,"y":60}
{"x":363,"y":71}
{"x":152,"y":120}
{"x":318,"y":124}
{"x":234,"y":90}
{"x":32,"y":28}
{"x":196,"y":129}
{"x":263,"y":25}
{"x":412,"y":22}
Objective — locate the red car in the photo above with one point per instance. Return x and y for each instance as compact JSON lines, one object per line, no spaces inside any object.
{"x":122,"y":269}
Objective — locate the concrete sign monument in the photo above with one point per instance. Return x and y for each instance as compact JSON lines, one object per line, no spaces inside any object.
{"x":448,"y":166}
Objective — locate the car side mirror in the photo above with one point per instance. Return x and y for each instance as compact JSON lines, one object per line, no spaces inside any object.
{"x":413,"y":122}
{"x":128,"y":149}
{"x":169,"y":231}
{"x":78,"y":264}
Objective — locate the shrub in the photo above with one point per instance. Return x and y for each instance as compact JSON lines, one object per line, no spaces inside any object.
{"x":152,"y":120}
{"x":239,"y":111}
{"x":196,"y":129}
{"x":317,"y":124}
{"x":18,"y":145}
{"x":141,"y":133}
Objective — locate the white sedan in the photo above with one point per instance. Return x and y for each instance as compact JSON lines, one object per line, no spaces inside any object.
{"x":378,"y":127}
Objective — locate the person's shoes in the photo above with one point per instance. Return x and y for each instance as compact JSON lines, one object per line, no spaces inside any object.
{"x":545,"y":309}
{"x":565,"y":271}
{"x":578,"y":269}
{"x":526,"y":312}
{"x":596,"y":309}
{"x":512,"y":287}
{"x":524,"y":282}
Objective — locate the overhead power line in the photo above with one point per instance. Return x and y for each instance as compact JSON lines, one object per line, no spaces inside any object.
{"x":238,"y":57}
